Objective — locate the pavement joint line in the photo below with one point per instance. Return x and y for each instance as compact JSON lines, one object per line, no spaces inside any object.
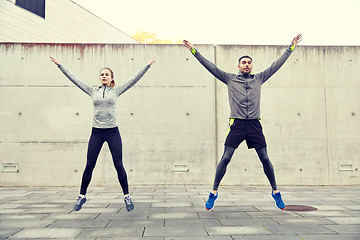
{"x":206,"y":231}
{"x":272,"y":218}
{"x":97,"y":216}
{"x":14,"y":233}
{"x":107,"y":224}
{"x":45,"y":217}
{"x":80,"y":232}
{"x":324,"y":225}
{"x":220,"y":222}
{"x":267,"y":229}
{"x":256,"y":208}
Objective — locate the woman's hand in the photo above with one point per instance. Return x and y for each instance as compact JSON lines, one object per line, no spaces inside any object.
{"x":54,"y":60}
{"x":152,"y":61}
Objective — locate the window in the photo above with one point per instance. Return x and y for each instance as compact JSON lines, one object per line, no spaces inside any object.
{"x":34,"y":6}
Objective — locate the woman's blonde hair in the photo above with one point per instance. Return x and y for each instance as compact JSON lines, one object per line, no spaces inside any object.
{"x":112,"y":83}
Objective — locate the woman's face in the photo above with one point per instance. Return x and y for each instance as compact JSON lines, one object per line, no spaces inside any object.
{"x":105,"y":77}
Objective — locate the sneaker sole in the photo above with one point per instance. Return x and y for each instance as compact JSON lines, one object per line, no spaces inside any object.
{"x":210,"y":208}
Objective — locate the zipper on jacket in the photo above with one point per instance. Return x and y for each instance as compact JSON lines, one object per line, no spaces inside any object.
{"x":104,"y":92}
{"x":247,"y":99}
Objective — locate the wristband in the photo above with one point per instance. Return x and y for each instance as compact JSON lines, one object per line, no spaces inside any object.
{"x":292,"y":47}
{"x":193,"y":50}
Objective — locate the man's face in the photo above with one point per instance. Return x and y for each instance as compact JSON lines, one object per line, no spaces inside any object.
{"x":245,"y":66}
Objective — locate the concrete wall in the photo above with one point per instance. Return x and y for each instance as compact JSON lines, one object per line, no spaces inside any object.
{"x":64,"y":21}
{"x":178,"y":114}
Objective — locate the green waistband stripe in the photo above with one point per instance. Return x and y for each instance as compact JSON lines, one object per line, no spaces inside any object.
{"x":231,"y":122}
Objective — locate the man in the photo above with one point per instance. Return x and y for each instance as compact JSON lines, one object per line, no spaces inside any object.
{"x":244,"y":91}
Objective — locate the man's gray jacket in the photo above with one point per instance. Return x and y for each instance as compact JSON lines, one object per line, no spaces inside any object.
{"x":244,"y":90}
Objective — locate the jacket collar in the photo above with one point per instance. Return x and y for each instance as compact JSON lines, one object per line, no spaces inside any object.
{"x":245,"y":75}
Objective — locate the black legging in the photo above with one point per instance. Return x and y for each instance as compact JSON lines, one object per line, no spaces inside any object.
{"x":225,"y":160}
{"x":97,"y":139}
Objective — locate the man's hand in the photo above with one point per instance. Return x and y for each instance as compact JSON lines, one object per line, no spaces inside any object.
{"x":296,"y":40}
{"x":188,"y":44}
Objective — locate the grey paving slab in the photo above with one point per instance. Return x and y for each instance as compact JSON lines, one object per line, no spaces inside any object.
{"x":132,"y":238}
{"x":299,"y":229}
{"x":175,"y":232}
{"x":276,"y":213}
{"x":219,"y":214}
{"x":12,"y":211}
{"x":111,"y":233}
{"x":10,"y":206}
{"x":71,"y":216}
{"x":179,"y":215}
{"x":324,"y":214}
{"x":352,"y":213}
{"x":267,"y":237}
{"x":236,"y":230}
{"x":247,"y":221}
{"x":25,"y":223}
{"x":191,"y":222}
{"x":345,"y":220}
{"x":184,"y":209}
{"x":301,"y":220}
{"x":84,"y":223}
{"x":330,"y":237}
{"x":345,"y":228}
{"x":352,"y":207}
{"x":130,"y":222}
{"x":200,"y":238}
{"x":123,"y":214}
{"x":6,"y":233}
{"x":47,"y":233}
{"x":177,"y":204}
{"x":46,"y":210}
{"x":31,"y":217}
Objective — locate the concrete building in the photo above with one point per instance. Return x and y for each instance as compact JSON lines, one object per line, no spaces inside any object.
{"x":60,"y":21}
{"x":174,"y":121}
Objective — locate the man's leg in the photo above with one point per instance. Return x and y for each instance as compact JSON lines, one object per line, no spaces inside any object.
{"x":268,"y":167}
{"x":220,"y":172}
{"x":221,"y":168}
{"x":269,"y":172}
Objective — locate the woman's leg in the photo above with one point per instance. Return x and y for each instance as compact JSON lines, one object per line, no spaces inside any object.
{"x":115,"y":145}
{"x":95,"y":143}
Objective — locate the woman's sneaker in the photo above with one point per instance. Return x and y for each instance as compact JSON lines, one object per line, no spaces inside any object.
{"x":79,"y":202}
{"x":129,"y":204}
{"x":278,"y":201}
{"x":211,"y":201}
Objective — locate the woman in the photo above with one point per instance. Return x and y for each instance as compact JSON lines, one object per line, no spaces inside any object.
{"x":104,"y":126}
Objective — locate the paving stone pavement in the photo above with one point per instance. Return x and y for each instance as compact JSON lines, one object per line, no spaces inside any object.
{"x":177,"y":212}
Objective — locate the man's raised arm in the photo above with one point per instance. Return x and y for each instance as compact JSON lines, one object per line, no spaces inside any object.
{"x":218,"y":73}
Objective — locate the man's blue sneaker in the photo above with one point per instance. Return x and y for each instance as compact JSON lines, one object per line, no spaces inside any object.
{"x":278,"y":201}
{"x":211,"y":201}
{"x":79,"y":202}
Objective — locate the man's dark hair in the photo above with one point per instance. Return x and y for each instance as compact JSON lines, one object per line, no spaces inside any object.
{"x":244,"y":57}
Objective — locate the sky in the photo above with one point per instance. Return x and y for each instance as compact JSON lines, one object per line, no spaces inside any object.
{"x":254,"y":22}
